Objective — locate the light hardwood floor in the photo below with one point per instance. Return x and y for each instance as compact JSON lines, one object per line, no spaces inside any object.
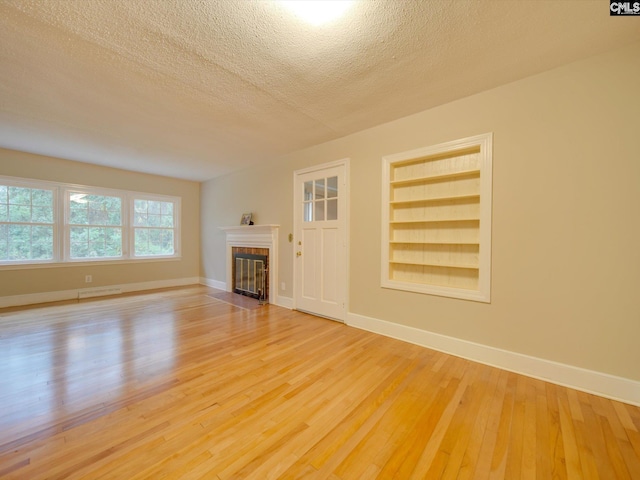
{"x":179,"y":384}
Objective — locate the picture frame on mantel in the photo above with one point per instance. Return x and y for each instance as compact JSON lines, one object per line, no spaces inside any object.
{"x":246,"y":219}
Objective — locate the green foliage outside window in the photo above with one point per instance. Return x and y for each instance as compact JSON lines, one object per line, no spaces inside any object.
{"x":26,"y":224}
{"x":153,"y":222}
{"x":45,"y":222}
{"x":102,"y":235}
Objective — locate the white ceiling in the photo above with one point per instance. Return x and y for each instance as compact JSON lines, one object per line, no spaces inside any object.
{"x":198,"y":88}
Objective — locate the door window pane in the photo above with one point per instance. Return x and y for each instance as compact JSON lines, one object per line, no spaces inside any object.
{"x":320,"y":189}
{"x":307,"y":212}
{"x":319,"y":210}
{"x":308,"y":191}
{"x":332,"y":209}
{"x":320,"y":200}
{"x":332,"y":187}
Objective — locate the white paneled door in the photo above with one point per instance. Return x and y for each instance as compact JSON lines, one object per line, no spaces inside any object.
{"x":320,"y":241}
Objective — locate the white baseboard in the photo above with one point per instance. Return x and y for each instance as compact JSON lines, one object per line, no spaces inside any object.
{"x":285,"y":302}
{"x":174,"y":282}
{"x":605,"y":385}
{"x":209,"y":282}
{"x":46,"y":297}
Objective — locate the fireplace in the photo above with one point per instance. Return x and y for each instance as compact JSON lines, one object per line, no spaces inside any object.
{"x":254,"y":240}
{"x":250,"y":272}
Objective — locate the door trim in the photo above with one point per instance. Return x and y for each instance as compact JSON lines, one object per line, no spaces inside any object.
{"x":296,"y":224}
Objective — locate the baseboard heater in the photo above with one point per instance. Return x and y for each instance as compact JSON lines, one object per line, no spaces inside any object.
{"x":98,"y":292}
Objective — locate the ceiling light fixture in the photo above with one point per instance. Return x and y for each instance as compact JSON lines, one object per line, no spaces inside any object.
{"x":318,"y":12}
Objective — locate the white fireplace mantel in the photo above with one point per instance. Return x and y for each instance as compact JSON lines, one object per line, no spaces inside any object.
{"x":255,"y":236}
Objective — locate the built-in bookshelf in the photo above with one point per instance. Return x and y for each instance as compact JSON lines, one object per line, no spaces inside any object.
{"x":437,"y":219}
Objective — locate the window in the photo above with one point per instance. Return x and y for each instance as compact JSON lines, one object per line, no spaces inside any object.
{"x":95,"y":225}
{"x":26,"y":223}
{"x":47,"y":222}
{"x":321,"y":199}
{"x":437,"y":219}
{"x":154,"y":227}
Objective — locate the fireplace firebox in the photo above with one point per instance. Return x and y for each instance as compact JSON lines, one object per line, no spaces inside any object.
{"x":250,"y":272}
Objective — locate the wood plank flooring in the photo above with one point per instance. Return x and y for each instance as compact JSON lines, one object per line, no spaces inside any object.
{"x":179,"y":384}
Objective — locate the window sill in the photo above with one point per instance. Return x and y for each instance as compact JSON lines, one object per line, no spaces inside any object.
{"x":84,"y":263}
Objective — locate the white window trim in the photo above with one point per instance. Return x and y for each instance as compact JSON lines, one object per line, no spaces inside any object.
{"x":66,"y":211}
{"x":37,"y":185}
{"x":61,"y":250}
{"x":177,"y":207}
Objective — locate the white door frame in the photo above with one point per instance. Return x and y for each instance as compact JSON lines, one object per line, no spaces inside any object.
{"x":297,"y":221}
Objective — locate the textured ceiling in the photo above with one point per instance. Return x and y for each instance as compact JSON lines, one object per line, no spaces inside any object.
{"x":199,"y":88}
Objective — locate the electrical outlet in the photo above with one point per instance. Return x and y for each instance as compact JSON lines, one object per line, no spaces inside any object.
{"x":283,"y":286}
{"x":88,"y":279}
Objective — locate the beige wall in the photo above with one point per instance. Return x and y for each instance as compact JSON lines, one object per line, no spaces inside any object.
{"x":38,"y":280}
{"x":566,"y":219}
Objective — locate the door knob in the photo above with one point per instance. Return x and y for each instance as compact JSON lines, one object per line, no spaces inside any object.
{"x":298,"y":254}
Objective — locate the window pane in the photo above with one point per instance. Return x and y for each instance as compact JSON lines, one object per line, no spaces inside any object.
{"x":19,"y":196}
{"x":142,"y":241}
{"x":168,"y":243}
{"x":95,"y":209}
{"x":308,"y":212}
{"x":319,"y":210}
{"x":113,"y":242}
{"x":19,"y":247}
{"x":26,"y":242}
{"x":19,"y":251}
{"x":42,"y":215}
{"x":79,"y":250}
{"x":78,"y":215}
{"x":42,"y":243}
{"x":148,"y":213}
{"x":42,"y":197}
{"x":23,"y":241}
{"x":154,"y":207}
{"x":320,"y":189}
{"x":153,"y":220}
{"x":19,"y":213}
{"x":97,"y":217}
{"x":140,"y":206}
{"x":115,"y":217}
{"x":308,"y":191}
{"x":79,"y":234}
{"x":95,"y":242}
{"x":4,"y":242}
{"x":332,"y":209}
{"x":154,"y":241}
{"x":167,"y":208}
{"x":332,"y":187}
{"x":140,"y":219}
{"x":166,"y":220}
{"x":157,"y":238}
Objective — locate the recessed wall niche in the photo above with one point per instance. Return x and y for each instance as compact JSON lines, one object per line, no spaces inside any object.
{"x":436,"y":217}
